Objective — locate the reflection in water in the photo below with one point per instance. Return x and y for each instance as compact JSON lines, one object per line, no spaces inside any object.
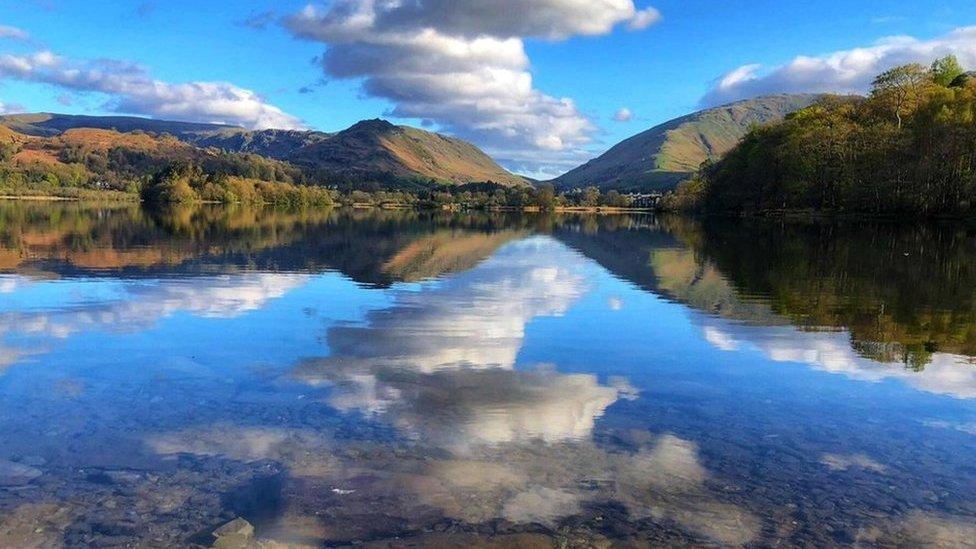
{"x":137,"y":306}
{"x":903,"y":293}
{"x":832,"y":352}
{"x":440,"y":359}
{"x":449,"y":379}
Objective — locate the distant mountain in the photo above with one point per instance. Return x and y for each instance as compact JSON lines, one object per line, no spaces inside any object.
{"x":376,"y":146}
{"x":368,"y":149}
{"x":664,"y":155}
{"x":50,"y":124}
{"x":278,"y":144}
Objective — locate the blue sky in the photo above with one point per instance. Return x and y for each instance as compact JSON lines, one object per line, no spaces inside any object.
{"x":453,"y":66}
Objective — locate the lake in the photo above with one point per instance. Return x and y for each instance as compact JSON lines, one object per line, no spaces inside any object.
{"x":403,"y":378}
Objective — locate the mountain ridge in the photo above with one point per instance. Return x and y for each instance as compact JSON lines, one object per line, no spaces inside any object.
{"x":368,"y":149}
{"x":664,"y":155}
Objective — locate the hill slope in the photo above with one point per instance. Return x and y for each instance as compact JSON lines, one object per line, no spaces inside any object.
{"x":373,"y":148}
{"x":664,"y":155}
{"x":107,"y":159}
{"x":378,"y":147}
{"x":45,"y":124}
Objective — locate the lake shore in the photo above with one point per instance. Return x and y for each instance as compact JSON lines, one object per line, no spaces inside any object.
{"x":121,"y":197}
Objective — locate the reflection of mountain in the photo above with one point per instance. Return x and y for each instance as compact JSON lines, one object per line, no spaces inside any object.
{"x":622,"y":249}
{"x":904,"y":294}
{"x":370,"y":247}
{"x":683,"y":277}
{"x":443,"y":252}
{"x":207,"y":261}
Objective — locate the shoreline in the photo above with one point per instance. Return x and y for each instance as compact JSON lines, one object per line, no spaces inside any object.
{"x":40,"y":198}
{"x":354,"y":206}
{"x":813,"y":215}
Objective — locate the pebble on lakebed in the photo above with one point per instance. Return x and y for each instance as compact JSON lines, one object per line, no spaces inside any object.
{"x":235,"y":534}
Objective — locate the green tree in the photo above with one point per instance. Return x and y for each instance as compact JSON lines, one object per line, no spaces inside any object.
{"x":8,"y":150}
{"x":545,"y":196}
{"x":614,"y":199}
{"x":901,"y":89}
{"x":945,"y":70}
{"x":591,"y":197}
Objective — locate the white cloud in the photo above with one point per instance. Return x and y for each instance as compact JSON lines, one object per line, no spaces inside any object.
{"x":643,"y":19}
{"x":13,"y":33}
{"x":549,"y":19}
{"x":846,"y":71}
{"x":10,"y":108}
{"x":462,"y":64}
{"x":623,"y":115}
{"x":132,"y":89}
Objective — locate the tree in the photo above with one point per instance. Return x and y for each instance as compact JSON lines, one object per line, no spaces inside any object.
{"x":614,"y":199}
{"x":901,"y":88}
{"x":591,"y":197}
{"x":545,"y":196}
{"x":945,"y":70}
{"x":8,"y":150}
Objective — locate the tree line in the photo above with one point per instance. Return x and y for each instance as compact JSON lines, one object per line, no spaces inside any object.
{"x":175,"y":173}
{"x":908,"y":148}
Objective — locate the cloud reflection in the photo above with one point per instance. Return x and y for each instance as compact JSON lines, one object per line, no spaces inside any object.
{"x":946,"y":374}
{"x":439,"y":365}
{"x":139,"y":306}
{"x":440,"y":361}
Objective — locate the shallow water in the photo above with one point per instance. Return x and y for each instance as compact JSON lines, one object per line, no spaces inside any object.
{"x":399,"y":378}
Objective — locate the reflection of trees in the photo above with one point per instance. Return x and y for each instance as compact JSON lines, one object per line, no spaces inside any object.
{"x":903,"y":293}
{"x":66,"y":237}
{"x":377,"y":247}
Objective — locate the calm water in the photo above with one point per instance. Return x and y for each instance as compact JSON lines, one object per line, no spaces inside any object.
{"x":410,"y":379}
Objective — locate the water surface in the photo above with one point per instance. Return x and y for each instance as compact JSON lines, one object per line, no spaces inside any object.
{"x":398,"y":378}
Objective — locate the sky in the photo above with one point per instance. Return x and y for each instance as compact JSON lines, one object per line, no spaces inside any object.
{"x":541,"y":85}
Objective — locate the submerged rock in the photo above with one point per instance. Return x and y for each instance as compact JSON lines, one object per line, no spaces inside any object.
{"x":16,"y":474}
{"x":233,"y":535}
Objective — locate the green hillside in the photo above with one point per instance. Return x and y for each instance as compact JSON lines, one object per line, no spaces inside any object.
{"x":664,"y":155}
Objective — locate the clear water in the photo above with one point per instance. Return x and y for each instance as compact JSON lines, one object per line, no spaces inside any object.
{"x":396,"y":378}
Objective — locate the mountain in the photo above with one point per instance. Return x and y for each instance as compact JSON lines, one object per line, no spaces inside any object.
{"x":369,"y":149}
{"x":664,"y":155}
{"x":50,"y":124}
{"x":376,"y":146}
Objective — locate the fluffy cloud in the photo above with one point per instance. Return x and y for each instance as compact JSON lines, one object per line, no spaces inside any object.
{"x":462,"y":63}
{"x":623,"y":115}
{"x":13,"y":33}
{"x":10,"y":108}
{"x":133,"y":90}
{"x":847,"y":71}
{"x":551,"y":19}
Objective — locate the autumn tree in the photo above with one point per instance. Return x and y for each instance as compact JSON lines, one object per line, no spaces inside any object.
{"x":591,"y":197}
{"x":901,"y":89}
{"x":545,"y":197}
